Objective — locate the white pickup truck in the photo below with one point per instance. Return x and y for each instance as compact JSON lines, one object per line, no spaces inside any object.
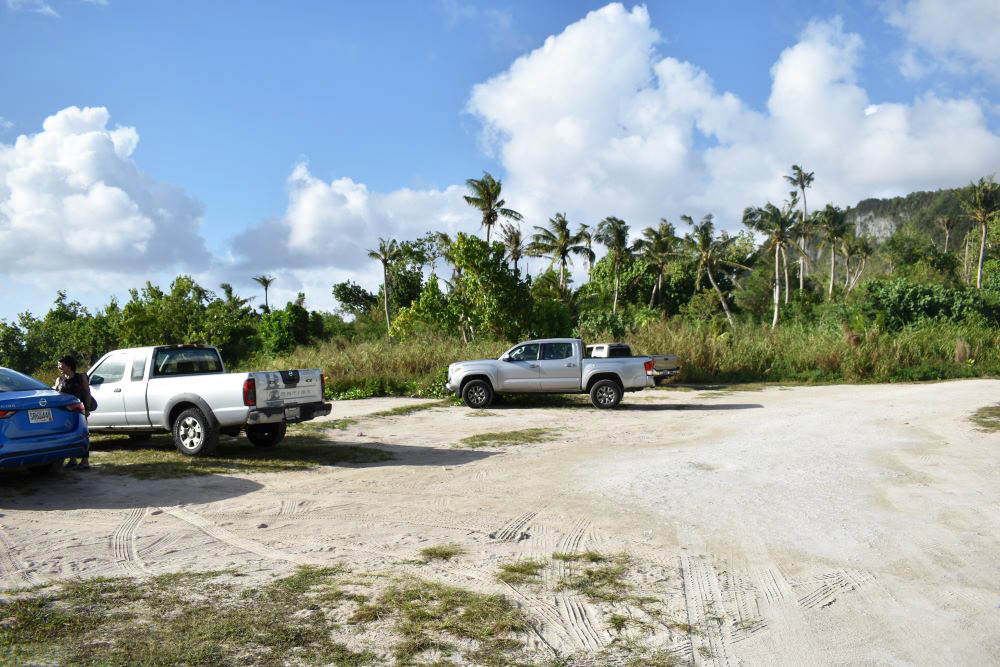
{"x":553,"y":365}
{"x":185,"y":390}
{"x":664,"y":365}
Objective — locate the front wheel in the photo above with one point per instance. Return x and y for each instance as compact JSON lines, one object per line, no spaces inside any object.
{"x":477,"y":394}
{"x":194,"y":434}
{"x":50,"y":468}
{"x":266,"y":435}
{"x":605,"y":394}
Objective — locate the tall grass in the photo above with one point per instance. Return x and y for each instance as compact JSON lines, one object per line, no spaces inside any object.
{"x":794,"y":352}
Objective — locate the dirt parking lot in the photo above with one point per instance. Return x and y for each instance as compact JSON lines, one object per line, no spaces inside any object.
{"x":798,"y":526}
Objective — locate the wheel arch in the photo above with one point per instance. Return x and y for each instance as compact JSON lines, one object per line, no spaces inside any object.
{"x":183,"y":402}
{"x":597,"y":377}
{"x":476,"y":376}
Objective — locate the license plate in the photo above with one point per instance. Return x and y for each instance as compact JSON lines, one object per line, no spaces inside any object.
{"x":292,"y":413}
{"x":39,"y":416}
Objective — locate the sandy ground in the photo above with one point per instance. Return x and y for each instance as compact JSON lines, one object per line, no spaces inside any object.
{"x":798,"y":526}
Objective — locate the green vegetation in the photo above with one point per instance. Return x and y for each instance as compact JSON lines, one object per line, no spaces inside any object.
{"x":604,"y":582}
{"x":442,"y":552}
{"x":521,"y":571}
{"x":173,"y":619}
{"x":431,"y":616}
{"x":524,"y":436}
{"x":801,"y":295}
{"x":988,"y":418}
{"x":158,"y":459}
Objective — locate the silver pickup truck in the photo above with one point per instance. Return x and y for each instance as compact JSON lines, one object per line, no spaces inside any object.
{"x":664,"y":365}
{"x":553,"y":365}
{"x":185,"y":390}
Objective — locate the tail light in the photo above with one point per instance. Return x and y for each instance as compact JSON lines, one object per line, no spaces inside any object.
{"x":249,"y":392}
{"x":6,"y":413}
{"x":649,"y":367}
{"x":75,"y":407}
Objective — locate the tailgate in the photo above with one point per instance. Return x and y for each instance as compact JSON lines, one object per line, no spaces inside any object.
{"x":666,"y":362}
{"x":280,"y":388}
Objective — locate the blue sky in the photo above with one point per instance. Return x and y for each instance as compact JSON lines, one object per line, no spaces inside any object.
{"x":250,"y":113}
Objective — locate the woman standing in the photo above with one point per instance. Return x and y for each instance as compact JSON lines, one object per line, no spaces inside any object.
{"x":77,"y":384}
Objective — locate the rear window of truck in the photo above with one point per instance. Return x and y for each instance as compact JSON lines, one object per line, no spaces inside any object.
{"x":186,"y":361}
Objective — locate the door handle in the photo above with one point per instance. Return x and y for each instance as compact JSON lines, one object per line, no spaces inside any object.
{"x":118,"y":390}
{"x":532,"y":365}
{"x":570,"y":365}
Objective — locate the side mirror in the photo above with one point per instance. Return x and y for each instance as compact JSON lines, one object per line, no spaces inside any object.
{"x":96,"y":379}
{"x":505,"y":358}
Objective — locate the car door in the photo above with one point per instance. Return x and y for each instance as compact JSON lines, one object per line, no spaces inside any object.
{"x":519,"y":369}
{"x":558,"y":369}
{"x":106,"y":382}
{"x":134,"y":391}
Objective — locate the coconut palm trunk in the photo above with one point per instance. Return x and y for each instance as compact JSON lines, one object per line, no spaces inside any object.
{"x":777,"y":284}
{"x":722,"y":300}
{"x":784,"y":258}
{"x":833,"y":266}
{"x":385,"y":296}
{"x":982,"y":255}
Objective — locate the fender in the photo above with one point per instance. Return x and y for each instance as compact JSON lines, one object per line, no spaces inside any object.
{"x":194,"y":399}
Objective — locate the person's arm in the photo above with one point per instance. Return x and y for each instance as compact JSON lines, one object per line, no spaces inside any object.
{"x":85,"y":383}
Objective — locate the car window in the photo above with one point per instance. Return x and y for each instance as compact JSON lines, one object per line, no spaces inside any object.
{"x":620,"y":351}
{"x":139,"y":367}
{"x":524,"y":352}
{"x":186,"y":361}
{"x":14,"y":381}
{"x":111,"y":369}
{"x":553,"y":351}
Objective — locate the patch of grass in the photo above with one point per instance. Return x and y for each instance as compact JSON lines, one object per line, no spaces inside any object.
{"x":324,"y":426}
{"x":524,"y":436}
{"x":404,"y":410}
{"x":192,"y":619}
{"x":987,"y":419}
{"x":520,"y":572}
{"x":158,"y":459}
{"x":660,"y":658}
{"x":603,"y":583}
{"x":618,"y":622}
{"x":481,"y":413}
{"x":587,"y":556}
{"x":429,"y":616}
{"x":442,"y":552}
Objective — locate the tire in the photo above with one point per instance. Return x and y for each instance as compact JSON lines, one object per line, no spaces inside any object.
{"x":194,"y":435}
{"x":50,"y":468}
{"x":605,"y":394}
{"x":477,"y":394}
{"x":266,"y":435}
{"x":139,"y":437}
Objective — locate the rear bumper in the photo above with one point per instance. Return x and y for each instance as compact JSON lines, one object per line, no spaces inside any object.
{"x":306,"y":411}
{"x":17,"y":456}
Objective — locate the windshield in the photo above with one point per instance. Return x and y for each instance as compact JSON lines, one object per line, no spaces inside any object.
{"x":14,"y":381}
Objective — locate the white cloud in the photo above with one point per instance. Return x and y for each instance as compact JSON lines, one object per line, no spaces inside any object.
{"x":953,"y":33}
{"x":5,"y":124}
{"x":74,"y":207}
{"x":35,"y":6}
{"x":597,"y":123}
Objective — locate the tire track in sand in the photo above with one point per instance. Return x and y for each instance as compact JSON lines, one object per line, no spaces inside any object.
{"x":222,"y":535}
{"x":513,"y":530}
{"x":9,"y":567}
{"x":123,"y":546}
{"x":703,"y":601}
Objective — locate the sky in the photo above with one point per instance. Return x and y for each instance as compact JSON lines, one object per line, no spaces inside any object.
{"x":140,"y":140}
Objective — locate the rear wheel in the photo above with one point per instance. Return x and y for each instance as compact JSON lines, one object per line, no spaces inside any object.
{"x":50,"y":468}
{"x":266,"y":435}
{"x":193,"y":433}
{"x":477,"y":394}
{"x":605,"y":394}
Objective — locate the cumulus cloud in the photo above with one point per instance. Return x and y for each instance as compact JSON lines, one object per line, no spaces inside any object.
{"x":332,"y":224}
{"x":73,"y":203}
{"x":949,"y":33}
{"x":597,"y":123}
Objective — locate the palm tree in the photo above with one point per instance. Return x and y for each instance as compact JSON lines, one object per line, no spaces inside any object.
{"x":387,"y":253}
{"x":613,"y":233}
{"x":709,"y":253}
{"x":514,"y":243}
{"x":779,"y":225}
{"x":802,"y":180}
{"x":557,"y":243}
{"x":946,"y":223}
{"x":587,"y":238}
{"x":860,"y":247}
{"x":833,"y":227}
{"x":658,"y":247}
{"x":981,"y":202}
{"x":486,"y":197}
{"x":265,"y":282}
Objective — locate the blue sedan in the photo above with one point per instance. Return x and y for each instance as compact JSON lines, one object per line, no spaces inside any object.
{"x":39,"y":427}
